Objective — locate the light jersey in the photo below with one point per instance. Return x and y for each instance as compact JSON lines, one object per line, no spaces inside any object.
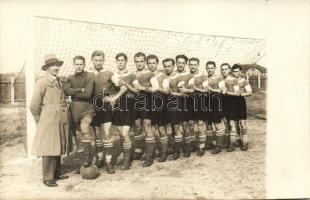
{"x":127,"y":77}
{"x":161,"y":80}
{"x":199,"y":80}
{"x":216,"y":82}
{"x":180,"y":80}
{"x":103,"y":81}
{"x":231,"y":83}
{"x":244,"y":85}
{"x":144,"y":77}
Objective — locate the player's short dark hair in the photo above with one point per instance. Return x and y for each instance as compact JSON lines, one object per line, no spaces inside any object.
{"x":181,"y":56}
{"x":78,"y":57}
{"x":194,"y":59}
{"x":152,"y":56}
{"x":223,"y":64}
{"x":97,"y":53}
{"x":168,"y":60}
{"x":211,"y":63}
{"x":236,"y":66}
{"x":139,"y":54}
{"x":121,"y":55}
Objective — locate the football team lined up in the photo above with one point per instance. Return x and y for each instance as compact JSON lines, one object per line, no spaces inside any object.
{"x":158,"y":106}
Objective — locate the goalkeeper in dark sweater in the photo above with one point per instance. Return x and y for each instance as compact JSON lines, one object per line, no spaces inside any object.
{"x":80,"y":87}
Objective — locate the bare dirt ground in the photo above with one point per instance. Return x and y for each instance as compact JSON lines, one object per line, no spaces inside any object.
{"x":236,"y":175}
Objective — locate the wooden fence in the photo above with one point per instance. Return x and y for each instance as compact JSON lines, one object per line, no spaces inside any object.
{"x":12,"y":91}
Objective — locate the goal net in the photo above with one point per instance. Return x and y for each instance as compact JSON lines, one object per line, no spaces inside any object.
{"x":68,"y":38}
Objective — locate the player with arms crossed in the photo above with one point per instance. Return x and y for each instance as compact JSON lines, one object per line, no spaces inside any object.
{"x":80,"y":87}
{"x":245,"y":90}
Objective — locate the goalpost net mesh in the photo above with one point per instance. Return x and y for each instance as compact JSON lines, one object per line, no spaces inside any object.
{"x":68,"y":38}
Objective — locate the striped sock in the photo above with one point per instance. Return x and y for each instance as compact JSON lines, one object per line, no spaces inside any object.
{"x":108,"y":145}
{"x":127,"y":145}
{"x":177,"y":142}
{"x":149,"y":140}
{"x":188,"y":139}
{"x":138,"y":143}
{"x":99,"y":145}
{"x":164,"y":140}
{"x":219,"y":136}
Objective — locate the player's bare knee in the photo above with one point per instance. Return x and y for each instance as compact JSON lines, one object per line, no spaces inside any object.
{"x":242,"y":124}
{"x":162,"y":131}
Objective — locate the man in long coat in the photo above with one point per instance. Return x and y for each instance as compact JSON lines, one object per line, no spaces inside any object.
{"x":48,"y":107}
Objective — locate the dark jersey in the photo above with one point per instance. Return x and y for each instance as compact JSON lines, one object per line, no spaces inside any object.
{"x":103,"y":82}
{"x":76,"y":82}
{"x":144,"y":77}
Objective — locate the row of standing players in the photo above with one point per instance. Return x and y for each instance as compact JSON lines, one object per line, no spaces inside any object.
{"x":167,"y":104}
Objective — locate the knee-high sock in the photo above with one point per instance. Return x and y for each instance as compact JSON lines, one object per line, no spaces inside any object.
{"x":170,"y":141}
{"x":178,"y":142}
{"x":108,"y":149}
{"x":138,"y":143}
{"x":244,"y":133}
{"x":202,"y":140}
{"x":127,"y":145}
{"x":210,"y":136}
{"x":99,"y":147}
{"x":149,"y":145}
{"x":87,"y":150}
{"x":232,"y":136}
{"x":164,"y":144}
{"x":219,"y":136}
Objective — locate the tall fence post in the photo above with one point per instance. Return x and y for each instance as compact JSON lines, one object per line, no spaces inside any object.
{"x":12,"y":91}
{"x":258,"y":81}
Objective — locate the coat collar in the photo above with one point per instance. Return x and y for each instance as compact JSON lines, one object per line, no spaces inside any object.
{"x":53,"y":80}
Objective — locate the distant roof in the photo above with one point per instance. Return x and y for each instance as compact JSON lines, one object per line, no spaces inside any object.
{"x":255,"y":66}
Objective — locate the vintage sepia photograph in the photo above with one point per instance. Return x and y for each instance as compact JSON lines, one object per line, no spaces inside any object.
{"x":103,"y":107}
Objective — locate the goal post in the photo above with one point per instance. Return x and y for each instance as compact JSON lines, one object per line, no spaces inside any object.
{"x":68,"y":38}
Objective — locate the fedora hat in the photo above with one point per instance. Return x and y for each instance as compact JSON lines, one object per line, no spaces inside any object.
{"x":49,"y":60}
